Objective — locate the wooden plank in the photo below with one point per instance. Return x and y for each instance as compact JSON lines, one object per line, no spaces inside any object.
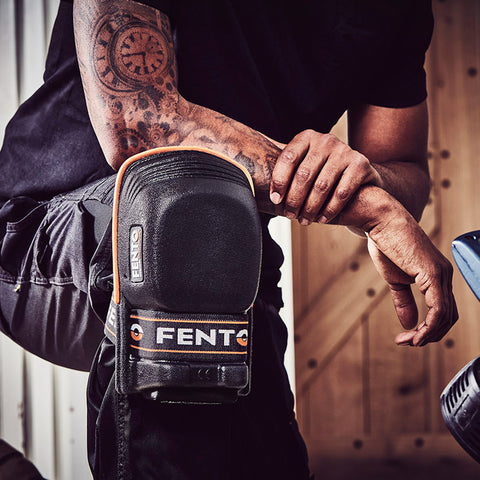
{"x":406,"y":424}
{"x":328,"y":250}
{"x":335,"y":316}
{"x":414,"y":457}
{"x":425,"y":446}
{"x":455,"y":110}
{"x":337,"y":395}
{"x":399,"y":378}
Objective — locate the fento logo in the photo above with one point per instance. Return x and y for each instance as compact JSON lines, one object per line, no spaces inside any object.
{"x":136,"y":261}
{"x":196,"y":336}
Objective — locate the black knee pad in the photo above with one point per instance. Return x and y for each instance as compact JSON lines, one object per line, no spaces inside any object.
{"x":186,"y":257}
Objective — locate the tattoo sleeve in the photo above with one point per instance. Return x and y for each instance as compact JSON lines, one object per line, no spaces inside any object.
{"x":127,"y":62}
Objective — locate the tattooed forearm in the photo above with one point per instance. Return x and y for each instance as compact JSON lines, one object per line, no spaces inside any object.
{"x":127,"y":62}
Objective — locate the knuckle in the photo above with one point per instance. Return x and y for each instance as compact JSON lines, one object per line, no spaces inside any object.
{"x":279,"y":183}
{"x":305,"y":135}
{"x":308,"y":211}
{"x":293,"y":203}
{"x":342,"y":148}
{"x":294,"y":200}
{"x":342,"y":193}
{"x":360,"y":162}
{"x":289,"y":156}
{"x":329,"y":212}
{"x":321,"y":186}
{"x":331,"y":141}
{"x":303,"y":175}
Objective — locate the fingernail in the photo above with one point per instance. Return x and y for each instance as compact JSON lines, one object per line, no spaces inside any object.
{"x":289,"y":215}
{"x":275,"y":198}
{"x":323,"y":219}
{"x":305,"y":222}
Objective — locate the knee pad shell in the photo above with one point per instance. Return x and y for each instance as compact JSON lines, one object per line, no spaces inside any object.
{"x":186,"y":241}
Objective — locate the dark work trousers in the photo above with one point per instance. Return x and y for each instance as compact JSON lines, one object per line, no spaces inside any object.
{"x":55,"y":285}
{"x":14,"y":466}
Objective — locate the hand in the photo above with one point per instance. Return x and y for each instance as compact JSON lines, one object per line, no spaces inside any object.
{"x":404,"y":255}
{"x":316,"y":175}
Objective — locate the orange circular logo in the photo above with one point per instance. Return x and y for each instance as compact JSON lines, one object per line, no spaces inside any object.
{"x":136,"y":331}
{"x":242,"y":337}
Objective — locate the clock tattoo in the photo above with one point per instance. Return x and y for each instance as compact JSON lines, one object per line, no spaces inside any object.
{"x":141,"y":54}
{"x":129,"y":55}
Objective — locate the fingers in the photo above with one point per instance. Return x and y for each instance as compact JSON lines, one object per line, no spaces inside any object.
{"x":405,"y":305}
{"x":286,"y":166}
{"x":302,"y":182}
{"x":442,"y":311}
{"x":316,"y":175}
{"x":343,"y":175}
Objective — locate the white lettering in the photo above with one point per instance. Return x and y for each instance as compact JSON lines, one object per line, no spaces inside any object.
{"x":164,"y":333}
{"x":200,"y":335}
{"x":185,"y":336}
{"x":136,"y":268}
{"x":112,"y":316}
{"x":226,"y":336}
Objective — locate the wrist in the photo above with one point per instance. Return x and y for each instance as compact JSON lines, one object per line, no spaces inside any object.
{"x":370,"y":210}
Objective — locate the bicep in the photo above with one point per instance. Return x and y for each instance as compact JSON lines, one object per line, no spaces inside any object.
{"x":390,"y":134}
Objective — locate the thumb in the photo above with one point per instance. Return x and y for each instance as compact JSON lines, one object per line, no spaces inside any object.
{"x":404,"y":304}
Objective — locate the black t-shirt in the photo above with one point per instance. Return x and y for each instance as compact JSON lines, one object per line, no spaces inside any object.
{"x":282,"y":67}
{"x":279,"y":67}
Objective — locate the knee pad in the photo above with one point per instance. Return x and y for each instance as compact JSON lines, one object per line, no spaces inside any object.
{"x":186,"y":242}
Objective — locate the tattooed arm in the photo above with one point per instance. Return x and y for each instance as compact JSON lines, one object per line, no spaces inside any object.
{"x":128,"y":68}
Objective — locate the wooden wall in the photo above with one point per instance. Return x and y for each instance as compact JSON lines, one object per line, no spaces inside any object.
{"x":367,"y":408}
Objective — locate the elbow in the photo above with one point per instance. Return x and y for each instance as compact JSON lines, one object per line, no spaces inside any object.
{"x":144,"y":130}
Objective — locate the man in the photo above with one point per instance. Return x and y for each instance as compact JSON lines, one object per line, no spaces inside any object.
{"x":229,"y":76}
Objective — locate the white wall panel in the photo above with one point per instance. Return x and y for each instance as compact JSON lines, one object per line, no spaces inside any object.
{"x":70,"y":422}
{"x":11,"y":356}
{"x":31,"y":51}
{"x":281,"y":231}
{"x":42,"y":407}
{"x":8,"y":72}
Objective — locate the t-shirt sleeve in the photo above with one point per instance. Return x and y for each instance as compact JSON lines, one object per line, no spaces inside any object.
{"x":399,"y":79}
